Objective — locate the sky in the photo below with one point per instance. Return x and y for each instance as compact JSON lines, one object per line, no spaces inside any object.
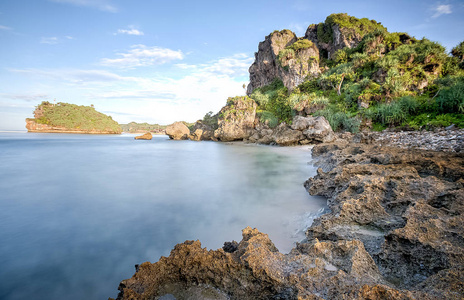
{"x":165,"y":61}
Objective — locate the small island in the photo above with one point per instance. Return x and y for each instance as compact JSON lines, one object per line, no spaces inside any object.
{"x":70,"y":118}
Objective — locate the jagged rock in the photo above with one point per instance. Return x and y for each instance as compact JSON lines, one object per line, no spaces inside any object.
{"x":282,"y":55}
{"x":404,"y":205}
{"x":255,"y":269}
{"x":236,"y":119}
{"x":201,"y":132}
{"x":316,"y":129}
{"x":177,"y":131}
{"x":146,"y":136}
{"x":283,"y":135}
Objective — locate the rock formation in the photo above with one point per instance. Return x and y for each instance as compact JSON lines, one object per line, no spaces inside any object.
{"x":291,"y":59}
{"x":146,"y":136}
{"x":201,"y":132}
{"x":303,"y":131}
{"x":178,"y":131}
{"x":236,"y":119}
{"x":285,"y":56}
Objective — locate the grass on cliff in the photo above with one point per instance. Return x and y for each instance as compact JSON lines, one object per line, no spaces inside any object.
{"x":73,"y":116}
{"x":389,"y":79}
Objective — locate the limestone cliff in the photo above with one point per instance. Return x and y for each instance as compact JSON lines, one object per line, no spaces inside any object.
{"x":285,"y":56}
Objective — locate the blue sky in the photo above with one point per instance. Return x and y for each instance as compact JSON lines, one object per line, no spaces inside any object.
{"x":164,"y":61}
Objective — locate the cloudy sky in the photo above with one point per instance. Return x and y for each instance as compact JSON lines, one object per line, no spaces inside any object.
{"x":163,"y":61}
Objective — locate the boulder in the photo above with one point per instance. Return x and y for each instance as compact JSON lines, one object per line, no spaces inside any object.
{"x":177,"y":131}
{"x":146,"y":136}
{"x":315,"y":129}
{"x":201,"y":132}
{"x":283,"y":135}
{"x":236,"y":119}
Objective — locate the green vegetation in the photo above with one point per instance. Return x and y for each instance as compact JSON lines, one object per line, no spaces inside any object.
{"x":211,"y":120}
{"x":350,"y":25}
{"x":76,"y":117}
{"x":391,"y":79}
{"x":142,"y":127}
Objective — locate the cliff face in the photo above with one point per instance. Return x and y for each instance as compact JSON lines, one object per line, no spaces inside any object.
{"x":236,"y":119}
{"x":33,"y":126}
{"x":282,"y":55}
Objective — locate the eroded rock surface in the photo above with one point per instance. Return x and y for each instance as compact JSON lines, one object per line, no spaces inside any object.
{"x":404,"y":205}
{"x":236,"y":119}
{"x":146,"y":136}
{"x":178,"y":131}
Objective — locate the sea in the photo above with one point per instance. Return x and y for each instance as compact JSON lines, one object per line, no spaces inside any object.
{"x":78,"y":212}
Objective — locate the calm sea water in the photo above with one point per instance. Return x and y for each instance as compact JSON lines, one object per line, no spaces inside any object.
{"x":77,"y":212}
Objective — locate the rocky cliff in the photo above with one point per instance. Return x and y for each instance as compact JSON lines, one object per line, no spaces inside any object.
{"x":284,"y":56}
{"x":291,"y":59}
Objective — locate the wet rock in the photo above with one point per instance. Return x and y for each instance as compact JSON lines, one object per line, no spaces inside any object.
{"x":146,"y":136}
{"x":178,"y":131}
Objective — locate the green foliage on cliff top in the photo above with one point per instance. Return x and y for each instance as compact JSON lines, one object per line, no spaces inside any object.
{"x":345,"y":22}
{"x":73,"y":116}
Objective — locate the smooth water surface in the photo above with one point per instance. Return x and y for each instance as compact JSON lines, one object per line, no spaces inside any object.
{"x":77,"y":212}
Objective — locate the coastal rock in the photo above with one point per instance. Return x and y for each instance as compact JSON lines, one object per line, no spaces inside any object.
{"x":201,"y":132}
{"x":283,"y":135}
{"x":316,"y":129}
{"x":255,"y":269}
{"x":178,"y":131}
{"x":404,"y":205}
{"x":146,"y":136}
{"x":236,"y":119}
{"x":282,"y":55}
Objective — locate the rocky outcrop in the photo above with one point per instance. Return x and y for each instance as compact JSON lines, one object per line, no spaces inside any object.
{"x":282,"y":55}
{"x":146,"y":136}
{"x":178,"y":131}
{"x":201,"y":132}
{"x":255,"y":269}
{"x":236,"y":119}
{"x":404,"y":205}
{"x":303,"y":131}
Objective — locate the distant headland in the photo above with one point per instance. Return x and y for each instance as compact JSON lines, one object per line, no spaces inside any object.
{"x":70,"y":118}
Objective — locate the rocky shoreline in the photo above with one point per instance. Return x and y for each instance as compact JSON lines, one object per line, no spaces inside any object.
{"x":394,"y":231}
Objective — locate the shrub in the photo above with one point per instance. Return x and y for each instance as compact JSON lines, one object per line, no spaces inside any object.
{"x":268,"y":118}
{"x":451,"y":99}
{"x":339,"y":120}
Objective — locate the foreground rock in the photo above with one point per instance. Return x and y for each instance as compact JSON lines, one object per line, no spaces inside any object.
{"x":178,"y":131}
{"x":394,"y":232}
{"x":146,"y":136}
{"x":254,"y":269}
{"x":404,"y":205}
{"x":236,"y":119}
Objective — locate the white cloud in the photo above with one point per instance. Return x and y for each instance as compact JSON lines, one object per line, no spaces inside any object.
{"x":54,"y":40}
{"x":25,"y":96}
{"x":49,"y":40}
{"x":130,"y":31}
{"x":441,"y":9}
{"x":196,"y":90}
{"x":141,"y":55}
{"x":104,"y":5}
{"x":5,"y":27}
{"x":74,"y":76}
